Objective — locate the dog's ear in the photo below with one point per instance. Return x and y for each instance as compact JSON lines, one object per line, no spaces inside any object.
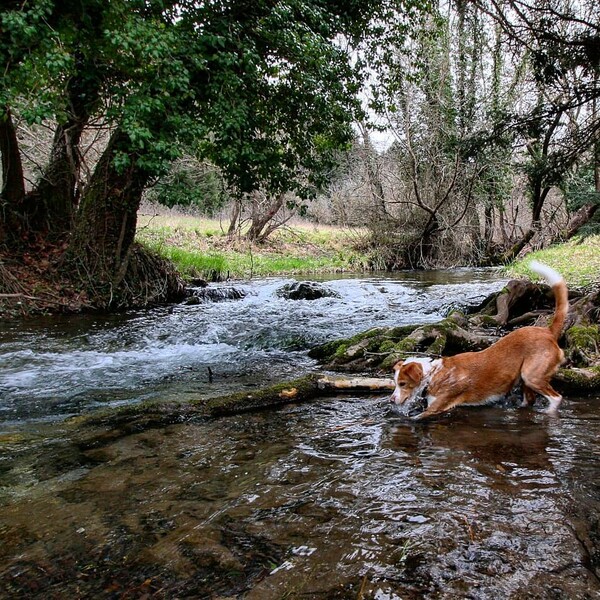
{"x":414,"y":372}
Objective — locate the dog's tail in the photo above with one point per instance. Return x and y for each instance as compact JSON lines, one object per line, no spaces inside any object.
{"x":561,"y":296}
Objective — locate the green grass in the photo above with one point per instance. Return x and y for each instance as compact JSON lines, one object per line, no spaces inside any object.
{"x":578,"y":261}
{"x":200,"y":248}
{"x":192,"y":263}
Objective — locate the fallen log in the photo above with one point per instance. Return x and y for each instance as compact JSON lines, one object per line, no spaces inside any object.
{"x":298,"y":390}
{"x":355,"y":384}
{"x":115,"y":423}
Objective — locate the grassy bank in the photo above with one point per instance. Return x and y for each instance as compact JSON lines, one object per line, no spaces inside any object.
{"x":577,"y":260}
{"x":200,"y":248}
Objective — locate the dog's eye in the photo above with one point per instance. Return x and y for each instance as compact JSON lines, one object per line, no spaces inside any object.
{"x":401,"y":383}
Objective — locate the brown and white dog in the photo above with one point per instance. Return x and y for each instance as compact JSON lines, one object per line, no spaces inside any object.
{"x":529,"y":355}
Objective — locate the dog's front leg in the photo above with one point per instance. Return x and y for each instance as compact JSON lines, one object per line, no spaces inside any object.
{"x":436,"y":406}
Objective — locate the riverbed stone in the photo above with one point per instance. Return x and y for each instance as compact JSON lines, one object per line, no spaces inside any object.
{"x":214,"y":294}
{"x":306,"y":290}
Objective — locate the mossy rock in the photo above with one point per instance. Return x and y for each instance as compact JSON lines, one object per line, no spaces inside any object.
{"x":326,"y":351}
{"x":577,"y":381}
{"x":583,"y":345}
{"x":378,"y":339}
{"x":379,"y":349}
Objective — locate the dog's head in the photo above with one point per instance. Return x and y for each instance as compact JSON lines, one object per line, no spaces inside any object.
{"x":409,"y":376}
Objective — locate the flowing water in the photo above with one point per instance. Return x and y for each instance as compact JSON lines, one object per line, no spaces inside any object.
{"x":57,"y":367}
{"x":337,"y":498}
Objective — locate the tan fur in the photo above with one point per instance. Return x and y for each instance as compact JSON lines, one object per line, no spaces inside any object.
{"x":530,"y":355}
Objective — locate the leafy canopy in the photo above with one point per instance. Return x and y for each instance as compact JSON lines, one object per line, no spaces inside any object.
{"x":266,"y":89}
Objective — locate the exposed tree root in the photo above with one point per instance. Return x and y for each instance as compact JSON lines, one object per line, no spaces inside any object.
{"x":37,"y":283}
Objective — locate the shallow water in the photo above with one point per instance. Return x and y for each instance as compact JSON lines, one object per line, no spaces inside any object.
{"x":333,"y":499}
{"x":338,"y":498}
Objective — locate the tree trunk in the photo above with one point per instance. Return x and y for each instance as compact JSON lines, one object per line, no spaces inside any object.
{"x":299,"y":390}
{"x":539,"y":193}
{"x":104,"y":232}
{"x":261,"y":219}
{"x":380,"y":214}
{"x":235,"y":217}
{"x":12,"y":193}
{"x":580,"y":218}
{"x":488,"y":227}
{"x":514,"y":250}
{"x":57,"y":188}
{"x":586,"y":213}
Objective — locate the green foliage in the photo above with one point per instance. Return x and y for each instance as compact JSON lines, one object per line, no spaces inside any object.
{"x":190,"y":186}
{"x":33,"y":60}
{"x":265,"y":90}
{"x":579,"y":188}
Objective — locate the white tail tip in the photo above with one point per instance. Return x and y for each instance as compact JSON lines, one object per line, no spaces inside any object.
{"x":549,"y":274}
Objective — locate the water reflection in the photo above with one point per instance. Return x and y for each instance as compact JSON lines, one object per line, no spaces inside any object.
{"x":311,"y":501}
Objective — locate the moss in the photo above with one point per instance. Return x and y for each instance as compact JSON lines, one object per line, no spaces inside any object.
{"x":437,"y":347}
{"x":407,"y":345}
{"x":8,"y":439}
{"x":297,"y":390}
{"x":387,"y":346}
{"x":378,"y":340}
{"x":488,"y":321}
{"x":341,"y":350}
{"x":586,"y":338}
{"x":578,"y":381}
{"x":399,"y":333}
{"x":390,"y":360}
{"x":325,"y":351}
{"x":583,"y":344}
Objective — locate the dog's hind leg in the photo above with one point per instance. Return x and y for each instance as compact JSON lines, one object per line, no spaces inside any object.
{"x":541,"y":386}
{"x":536,"y":376}
{"x":528,"y":396}
{"x":553,"y":397}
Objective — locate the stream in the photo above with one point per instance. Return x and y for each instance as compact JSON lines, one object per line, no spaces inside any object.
{"x":336,"y":498}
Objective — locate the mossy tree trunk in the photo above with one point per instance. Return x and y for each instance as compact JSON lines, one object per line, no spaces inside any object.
{"x":104,"y":232}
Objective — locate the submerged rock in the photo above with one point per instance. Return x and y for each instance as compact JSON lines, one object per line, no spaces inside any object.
{"x":306,"y":290}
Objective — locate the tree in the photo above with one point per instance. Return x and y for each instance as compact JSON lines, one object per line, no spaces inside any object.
{"x":561,"y":42}
{"x":438,"y":109}
{"x":482,"y":95}
{"x":191,"y":183}
{"x":265,"y":90}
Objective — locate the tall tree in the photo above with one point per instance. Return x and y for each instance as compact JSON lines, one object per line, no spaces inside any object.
{"x":561,"y":41}
{"x":266,"y":90}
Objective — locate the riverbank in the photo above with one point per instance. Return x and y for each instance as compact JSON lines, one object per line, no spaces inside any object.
{"x":577,"y":260}
{"x":201,"y":248}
